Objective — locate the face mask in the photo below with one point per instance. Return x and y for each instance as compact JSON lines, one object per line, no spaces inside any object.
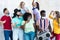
{"x":18,"y":15}
{"x":29,"y":18}
{"x":43,"y":17}
{"x":8,"y":13}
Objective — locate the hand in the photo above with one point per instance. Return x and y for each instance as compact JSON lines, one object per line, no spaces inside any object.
{"x":1,"y":23}
{"x":33,"y":0}
{"x":4,"y":21}
{"x":51,"y":12}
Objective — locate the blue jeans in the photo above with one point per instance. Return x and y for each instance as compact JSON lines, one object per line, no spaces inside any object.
{"x":8,"y":34}
{"x":29,"y":36}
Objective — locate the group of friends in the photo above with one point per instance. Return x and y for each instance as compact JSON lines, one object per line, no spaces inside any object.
{"x":24,"y":25}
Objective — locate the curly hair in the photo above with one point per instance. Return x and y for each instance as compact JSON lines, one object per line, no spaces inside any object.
{"x":15,"y":12}
{"x":26,"y":15}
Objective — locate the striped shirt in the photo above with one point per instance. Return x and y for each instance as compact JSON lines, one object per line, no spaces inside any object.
{"x":44,"y":23}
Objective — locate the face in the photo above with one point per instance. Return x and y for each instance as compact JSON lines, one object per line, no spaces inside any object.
{"x":43,"y":14}
{"x":6,"y":12}
{"x":19,"y":14}
{"x":34,"y":4}
{"x":29,"y":18}
{"x":23,"y":5}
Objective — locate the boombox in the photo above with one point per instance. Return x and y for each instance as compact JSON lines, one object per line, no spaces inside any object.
{"x":43,"y":35}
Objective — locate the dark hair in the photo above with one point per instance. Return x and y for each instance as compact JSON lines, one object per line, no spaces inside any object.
{"x":42,"y":11}
{"x":26,"y":15}
{"x":37,"y":5}
{"x":4,"y":10}
{"x":15,"y":12}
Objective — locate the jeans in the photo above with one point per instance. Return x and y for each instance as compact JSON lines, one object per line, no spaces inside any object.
{"x":8,"y":34}
{"x":17,"y":34}
{"x":29,"y":36}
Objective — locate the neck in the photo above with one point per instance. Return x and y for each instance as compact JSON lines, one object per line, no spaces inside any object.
{"x":22,"y":7}
{"x":18,"y":16}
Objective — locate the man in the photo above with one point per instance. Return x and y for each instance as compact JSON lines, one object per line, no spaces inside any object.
{"x":44,"y":22}
{"x":6,"y":20}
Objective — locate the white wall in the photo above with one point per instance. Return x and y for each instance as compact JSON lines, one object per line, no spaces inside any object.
{"x":47,"y":5}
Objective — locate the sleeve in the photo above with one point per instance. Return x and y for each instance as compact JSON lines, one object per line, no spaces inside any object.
{"x":2,"y":18}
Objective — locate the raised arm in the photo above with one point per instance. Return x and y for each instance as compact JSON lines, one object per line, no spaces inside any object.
{"x":33,"y":2}
{"x":51,"y":15}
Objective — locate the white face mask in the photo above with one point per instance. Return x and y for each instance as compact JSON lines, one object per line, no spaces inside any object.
{"x":43,"y":17}
{"x":29,"y":18}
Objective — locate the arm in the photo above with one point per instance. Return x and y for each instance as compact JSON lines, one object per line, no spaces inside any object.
{"x":2,"y":21}
{"x":23,"y":25}
{"x":49,"y":27}
{"x":13,"y":25}
{"x":50,"y":15}
{"x":33,"y":2}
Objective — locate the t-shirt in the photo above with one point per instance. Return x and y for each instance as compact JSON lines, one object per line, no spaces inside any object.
{"x":7,"y":24}
{"x":29,"y":26}
{"x":17,"y":21}
{"x":23,"y":11}
{"x":44,"y":23}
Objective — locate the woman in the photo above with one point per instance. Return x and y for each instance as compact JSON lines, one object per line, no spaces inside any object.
{"x":23,"y":8}
{"x":16,"y":23}
{"x":56,"y":24}
{"x":28,"y":24}
{"x":36,"y":12}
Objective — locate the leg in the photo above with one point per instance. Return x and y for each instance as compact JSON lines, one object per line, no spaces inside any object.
{"x":57,"y":36}
{"x":15,"y":34}
{"x":20,"y":34}
{"x":11,"y":34}
{"x":53,"y":35}
{"x":6,"y":35}
{"x":32,"y":35}
{"x":26,"y":36}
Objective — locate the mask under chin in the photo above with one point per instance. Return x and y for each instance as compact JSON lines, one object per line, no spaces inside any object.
{"x":18,"y":15}
{"x":43,"y":17}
